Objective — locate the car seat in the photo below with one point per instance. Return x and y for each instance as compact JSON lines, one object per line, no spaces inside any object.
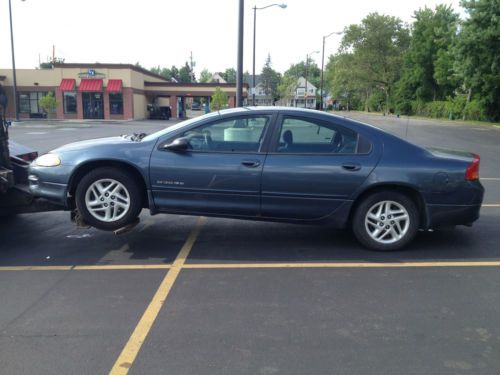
{"x":288,"y":141}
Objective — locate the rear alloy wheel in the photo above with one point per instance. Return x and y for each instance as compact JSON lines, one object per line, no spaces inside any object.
{"x":385,"y":221}
{"x":108,"y":198}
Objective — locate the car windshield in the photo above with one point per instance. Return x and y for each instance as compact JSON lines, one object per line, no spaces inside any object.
{"x":172,"y":128}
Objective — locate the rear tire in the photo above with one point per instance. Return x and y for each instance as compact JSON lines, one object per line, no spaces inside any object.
{"x":108,"y":198}
{"x":386,"y":221}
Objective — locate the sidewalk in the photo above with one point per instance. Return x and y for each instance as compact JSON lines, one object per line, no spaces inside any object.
{"x":50,"y":124}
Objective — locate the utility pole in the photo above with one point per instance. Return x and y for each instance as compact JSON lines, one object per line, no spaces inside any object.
{"x":239,"y":67}
{"x":192,"y":64}
{"x":16,"y":109}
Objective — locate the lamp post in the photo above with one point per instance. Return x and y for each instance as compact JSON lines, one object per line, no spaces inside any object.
{"x":323,"y":64}
{"x":255,"y":9}
{"x":307,"y":66}
{"x":239,"y":63}
{"x":16,"y":110}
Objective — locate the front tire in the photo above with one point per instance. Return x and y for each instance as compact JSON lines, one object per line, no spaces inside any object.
{"x":386,"y":221}
{"x":108,"y":198}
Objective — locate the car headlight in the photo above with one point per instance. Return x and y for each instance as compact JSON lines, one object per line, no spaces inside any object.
{"x":48,"y":160}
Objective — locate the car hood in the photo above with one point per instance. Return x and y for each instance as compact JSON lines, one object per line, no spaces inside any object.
{"x":91,"y":143}
{"x":16,"y":149}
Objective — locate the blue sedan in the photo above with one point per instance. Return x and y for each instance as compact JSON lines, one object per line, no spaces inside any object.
{"x":267,"y":163}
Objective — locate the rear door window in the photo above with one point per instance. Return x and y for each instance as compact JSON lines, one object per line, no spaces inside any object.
{"x":310,"y":136}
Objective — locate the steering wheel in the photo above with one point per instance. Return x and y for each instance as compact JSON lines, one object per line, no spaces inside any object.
{"x":200,"y":141}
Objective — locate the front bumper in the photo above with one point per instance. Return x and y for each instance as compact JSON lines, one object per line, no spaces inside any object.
{"x":50,"y":183}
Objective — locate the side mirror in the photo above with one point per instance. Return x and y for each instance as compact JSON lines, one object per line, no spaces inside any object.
{"x":178,"y":145}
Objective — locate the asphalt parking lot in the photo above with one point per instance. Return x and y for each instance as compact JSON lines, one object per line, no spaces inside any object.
{"x":190,"y":295}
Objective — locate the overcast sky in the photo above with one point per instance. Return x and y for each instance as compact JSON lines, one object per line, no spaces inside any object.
{"x":166,"y":32}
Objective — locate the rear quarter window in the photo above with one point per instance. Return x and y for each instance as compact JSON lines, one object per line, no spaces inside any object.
{"x":364,"y":145}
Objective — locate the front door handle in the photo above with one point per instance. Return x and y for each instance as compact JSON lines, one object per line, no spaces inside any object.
{"x":351,"y":166}
{"x":250,"y":163}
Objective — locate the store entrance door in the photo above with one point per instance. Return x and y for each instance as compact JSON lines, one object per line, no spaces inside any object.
{"x":93,"y":105}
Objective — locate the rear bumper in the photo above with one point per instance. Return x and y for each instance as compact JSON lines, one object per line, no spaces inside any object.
{"x":449,"y":215}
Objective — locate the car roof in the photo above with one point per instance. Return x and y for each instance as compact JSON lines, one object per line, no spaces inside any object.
{"x":298,"y":111}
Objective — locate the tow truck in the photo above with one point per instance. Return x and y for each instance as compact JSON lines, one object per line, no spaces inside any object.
{"x":15,"y":196}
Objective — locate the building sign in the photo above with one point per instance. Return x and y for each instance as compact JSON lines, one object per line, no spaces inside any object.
{"x":91,"y":73}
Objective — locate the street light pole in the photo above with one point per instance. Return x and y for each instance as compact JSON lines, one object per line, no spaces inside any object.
{"x":253,"y":64}
{"x":323,"y":64}
{"x":239,"y":67}
{"x":255,"y":9}
{"x":16,"y":110}
{"x":307,"y":66}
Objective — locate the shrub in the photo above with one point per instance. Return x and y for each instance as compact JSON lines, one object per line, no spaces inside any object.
{"x":404,"y":107}
{"x":437,"y":109}
{"x":48,"y":103}
{"x":219,"y":100}
{"x":474,"y":110}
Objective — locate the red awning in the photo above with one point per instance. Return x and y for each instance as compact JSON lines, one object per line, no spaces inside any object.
{"x":114,"y":85}
{"x":67,"y":84}
{"x":87,"y":84}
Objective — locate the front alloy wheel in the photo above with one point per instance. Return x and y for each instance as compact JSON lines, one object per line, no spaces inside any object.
{"x":108,"y":198}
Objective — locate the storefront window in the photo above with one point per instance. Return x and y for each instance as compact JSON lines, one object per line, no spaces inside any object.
{"x":69,"y":99}
{"x":116,"y":103}
{"x":24,"y":103}
{"x":28,"y":101}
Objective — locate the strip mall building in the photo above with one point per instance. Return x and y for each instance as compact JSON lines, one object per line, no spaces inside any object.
{"x":103,"y":91}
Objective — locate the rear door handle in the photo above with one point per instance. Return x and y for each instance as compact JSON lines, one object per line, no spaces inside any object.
{"x":351,"y":166}
{"x":250,"y":163}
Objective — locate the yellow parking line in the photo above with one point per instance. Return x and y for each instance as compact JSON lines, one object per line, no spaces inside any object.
{"x":131,"y":349}
{"x":36,"y":268}
{"x":253,"y":265}
{"x":344,"y":265}
{"x":103,"y":267}
{"x":490,"y":205}
{"x":124,"y":267}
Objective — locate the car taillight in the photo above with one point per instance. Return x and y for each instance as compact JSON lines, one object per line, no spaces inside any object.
{"x":472,"y":172}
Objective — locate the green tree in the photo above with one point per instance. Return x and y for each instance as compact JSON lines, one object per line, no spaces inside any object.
{"x":313,"y":72}
{"x":229,"y":75}
{"x":478,"y":55}
{"x":205,"y":76}
{"x":186,"y":74}
{"x":347,"y":81}
{"x":174,"y":73}
{"x":428,"y":67}
{"x":378,"y":45}
{"x":219,"y":100}
{"x":48,"y":104}
{"x":287,"y":87}
{"x":164,"y":72}
{"x":270,"y":79}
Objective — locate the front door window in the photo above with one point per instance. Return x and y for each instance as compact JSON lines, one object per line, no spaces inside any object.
{"x":243,"y":134}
